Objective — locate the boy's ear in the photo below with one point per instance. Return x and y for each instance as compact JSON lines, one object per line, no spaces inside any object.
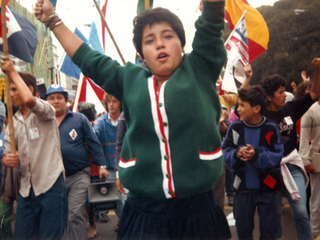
{"x":31,"y":89}
{"x":257,"y":109}
{"x":269,"y":98}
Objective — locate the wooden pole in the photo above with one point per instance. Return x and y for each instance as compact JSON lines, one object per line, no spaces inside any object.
{"x":6,"y":53}
{"x":108,"y":29}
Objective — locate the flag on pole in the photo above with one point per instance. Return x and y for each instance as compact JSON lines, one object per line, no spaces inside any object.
{"x":238,"y":40}
{"x":257,"y":30}
{"x":21,"y":34}
{"x":88,"y":91}
{"x":238,"y":56}
{"x":228,"y":83}
{"x":144,"y":4}
{"x":104,"y":11}
{"x":94,"y":41}
{"x":67,"y":66}
{"x":97,"y":31}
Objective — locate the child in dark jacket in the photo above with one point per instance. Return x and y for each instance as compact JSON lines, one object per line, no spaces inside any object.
{"x":253,"y":149}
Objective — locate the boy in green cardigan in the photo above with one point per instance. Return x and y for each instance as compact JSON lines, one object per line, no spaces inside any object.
{"x":171,"y":154}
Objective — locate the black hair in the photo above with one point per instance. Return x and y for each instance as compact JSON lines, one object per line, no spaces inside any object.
{"x":88,"y":109}
{"x":30,"y":80}
{"x":301,"y":89}
{"x":156,"y":15}
{"x":272,"y":83}
{"x":254,"y":95}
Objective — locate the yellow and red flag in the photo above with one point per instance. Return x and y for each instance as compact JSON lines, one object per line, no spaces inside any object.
{"x":257,"y":29}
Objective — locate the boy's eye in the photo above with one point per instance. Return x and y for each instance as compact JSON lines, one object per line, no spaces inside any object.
{"x":149,"y":41}
{"x":168,"y":36}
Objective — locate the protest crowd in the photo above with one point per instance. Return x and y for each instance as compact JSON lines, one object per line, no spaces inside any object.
{"x":176,"y":142}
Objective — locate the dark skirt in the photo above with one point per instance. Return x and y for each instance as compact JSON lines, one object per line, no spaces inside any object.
{"x":196,"y":217}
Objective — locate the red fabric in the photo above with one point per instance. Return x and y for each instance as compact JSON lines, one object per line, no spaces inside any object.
{"x":298,"y":127}
{"x":104,"y":10}
{"x":270,"y":181}
{"x":83,"y":91}
{"x":94,"y":169}
{"x":268,"y":137}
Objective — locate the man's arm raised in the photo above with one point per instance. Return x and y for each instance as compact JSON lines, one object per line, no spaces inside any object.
{"x":315,"y":88}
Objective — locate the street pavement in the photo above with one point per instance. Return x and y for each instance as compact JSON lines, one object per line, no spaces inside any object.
{"x":106,"y":229}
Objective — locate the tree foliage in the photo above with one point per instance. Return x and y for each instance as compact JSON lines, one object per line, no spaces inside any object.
{"x":294,"y":40}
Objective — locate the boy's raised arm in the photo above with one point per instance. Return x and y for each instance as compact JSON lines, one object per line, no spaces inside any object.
{"x":22,"y":88}
{"x":315,"y":88}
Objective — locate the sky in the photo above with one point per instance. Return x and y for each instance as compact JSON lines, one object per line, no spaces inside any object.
{"x":120,"y":13}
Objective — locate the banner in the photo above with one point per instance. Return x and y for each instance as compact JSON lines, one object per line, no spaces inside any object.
{"x":67,"y":66}
{"x":238,"y":40}
{"x":21,"y":35}
{"x":257,"y":30}
{"x":88,"y":91}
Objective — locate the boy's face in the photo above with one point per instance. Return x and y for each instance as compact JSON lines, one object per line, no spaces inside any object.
{"x":59,"y":103}
{"x":279,"y":97}
{"x":113,"y":105}
{"x":162,"y":49}
{"x":246,"y":112}
{"x":15,"y":96}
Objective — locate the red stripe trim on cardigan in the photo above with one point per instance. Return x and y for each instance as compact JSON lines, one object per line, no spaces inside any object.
{"x":125,"y":164}
{"x":210,"y":155}
{"x":161,"y":127}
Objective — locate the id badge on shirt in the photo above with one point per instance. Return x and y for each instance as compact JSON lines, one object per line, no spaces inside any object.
{"x":34,"y":133}
{"x":288,"y":120}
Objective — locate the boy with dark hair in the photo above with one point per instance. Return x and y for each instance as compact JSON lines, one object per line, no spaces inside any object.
{"x":42,"y":206}
{"x":285,"y":115}
{"x":253,"y":149}
{"x":170,"y":158}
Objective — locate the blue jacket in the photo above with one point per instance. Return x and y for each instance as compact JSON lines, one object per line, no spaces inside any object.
{"x":262,"y":172}
{"x":75,"y":132}
{"x":107,"y":135}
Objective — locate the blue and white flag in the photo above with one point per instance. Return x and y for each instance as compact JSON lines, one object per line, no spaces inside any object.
{"x":68,"y":67}
{"x":94,"y":40}
{"x":21,"y":35}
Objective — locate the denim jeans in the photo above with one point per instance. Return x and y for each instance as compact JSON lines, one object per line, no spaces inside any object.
{"x":43,"y":216}
{"x":299,"y":207}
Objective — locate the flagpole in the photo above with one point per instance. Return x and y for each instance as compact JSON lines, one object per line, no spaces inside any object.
{"x":6,"y":53}
{"x":109,"y":31}
{"x":76,"y":97}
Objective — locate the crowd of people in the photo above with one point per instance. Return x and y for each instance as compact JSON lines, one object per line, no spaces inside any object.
{"x":174,"y":146}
